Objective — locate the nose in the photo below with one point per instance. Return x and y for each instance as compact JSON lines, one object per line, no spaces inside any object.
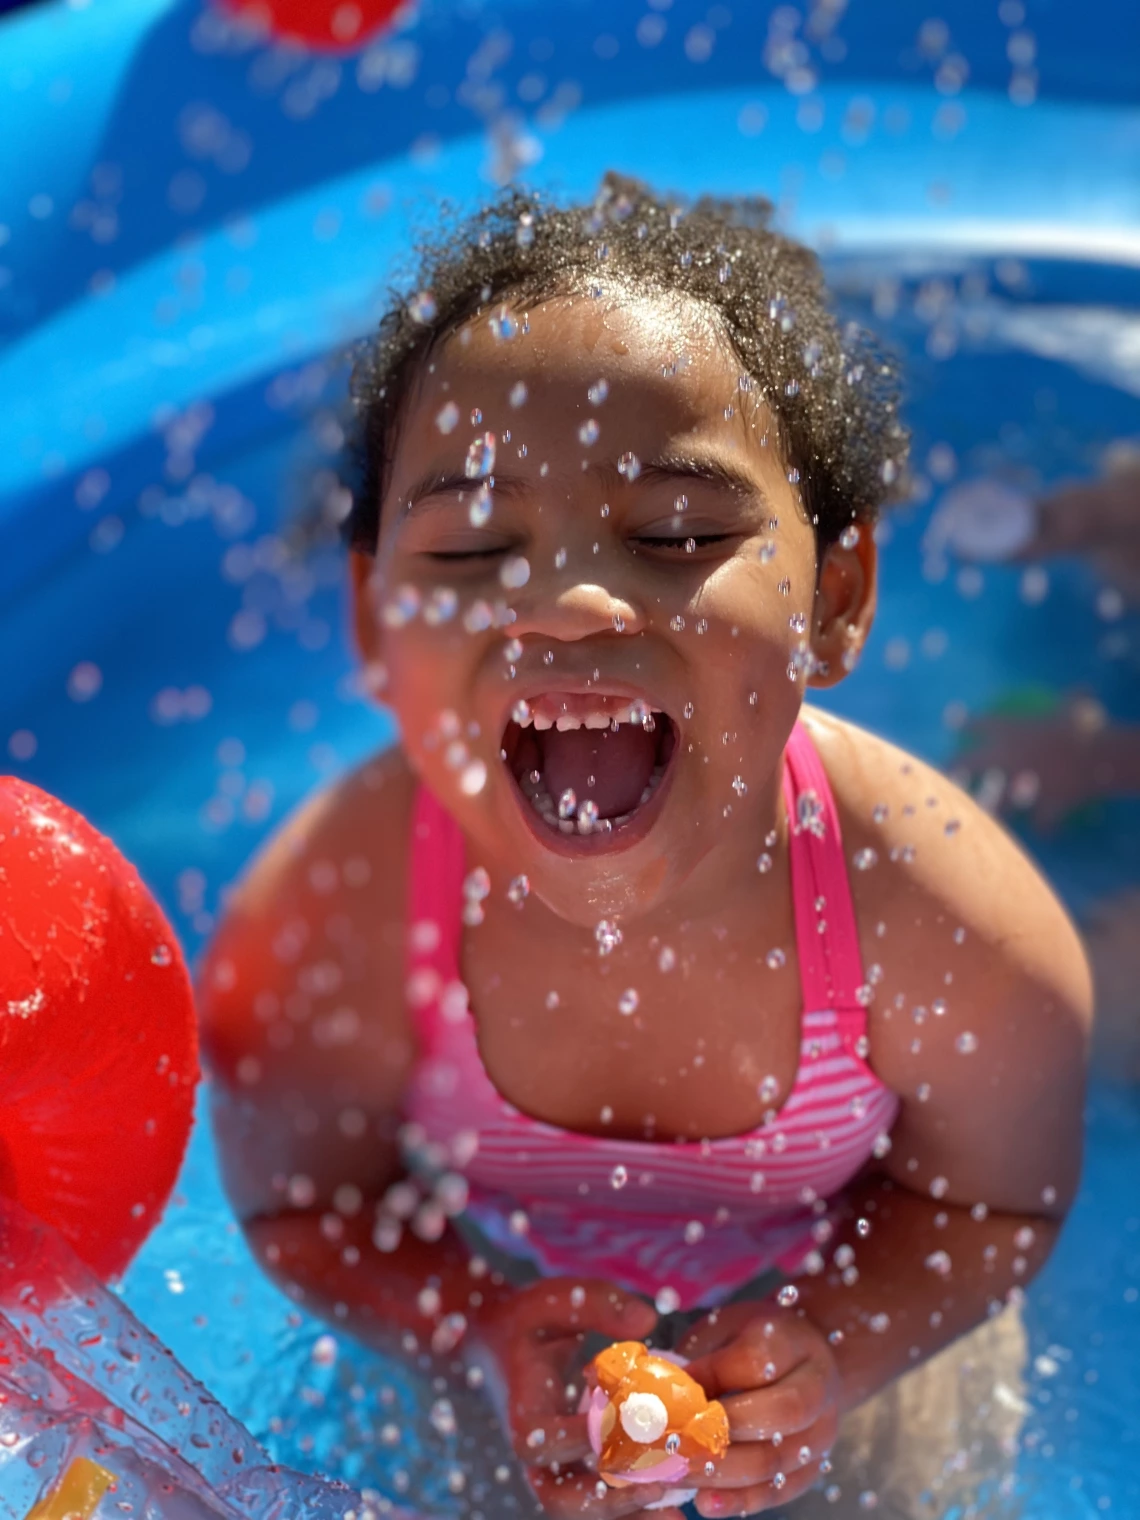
{"x":569,"y":608}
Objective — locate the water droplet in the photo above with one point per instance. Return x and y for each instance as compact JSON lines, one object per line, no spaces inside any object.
{"x":447,"y":418}
{"x":519,"y":890}
{"x":514,"y":572}
{"x":797,"y":622}
{"x":480,"y":456}
{"x":764,"y":863}
{"x":598,"y":392}
{"x":939,"y":1187}
{"x":768,"y":1089}
{"x":441,"y":607}
{"x":422,"y":307}
{"x":589,"y":431}
{"x":767,"y":552}
{"x":479,"y":512}
{"x":628,"y":1001}
{"x":524,"y":230}
{"x":560,"y":560}
{"x":619,"y":1177}
{"x":512,"y":652}
{"x":402,"y":607}
{"x":473,"y":778}
{"x":629,"y":465}
{"x":739,"y":785}
{"x":517,"y":394}
{"x":784,"y":587}
{"x":478,"y":616}
{"x":161,"y":955}
{"x":864,"y":859}
{"x":619,"y":623}
{"x":677,"y":623}
{"x":966,"y":1043}
{"x":588,"y":814}
{"x":503,"y":325}
{"x":667,"y":958}
{"x":793,"y":476}
{"x":850,"y":536}
{"x":608,"y":936}
{"x":775,"y":959}
{"x":788,"y":1295}
{"x":667,"y":1301}
{"x":672,"y":1443}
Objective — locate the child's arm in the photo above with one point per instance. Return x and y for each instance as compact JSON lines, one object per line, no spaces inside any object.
{"x":309,"y":1047}
{"x":980,"y":1021}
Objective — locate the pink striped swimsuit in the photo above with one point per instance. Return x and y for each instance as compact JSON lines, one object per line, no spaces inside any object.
{"x":695,"y":1221}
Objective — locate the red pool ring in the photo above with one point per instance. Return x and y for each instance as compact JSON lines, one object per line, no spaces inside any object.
{"x":98,"y":1039}
{"x":329,"y":25}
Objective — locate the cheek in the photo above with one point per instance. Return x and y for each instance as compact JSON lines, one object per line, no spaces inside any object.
{"x":428,"y":680}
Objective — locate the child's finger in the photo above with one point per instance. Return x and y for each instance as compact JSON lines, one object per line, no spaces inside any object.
{"x":569,"y":1495}
{"x":790,"y":1405}
{"x":552,"y":1438}
{"x":754,"y":1501}
{"x":566,"y":1308}
{"x":749,"y":1463}
{"x":750,"y":1360}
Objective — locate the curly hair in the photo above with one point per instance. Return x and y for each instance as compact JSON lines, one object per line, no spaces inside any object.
{"x":834,"y":395}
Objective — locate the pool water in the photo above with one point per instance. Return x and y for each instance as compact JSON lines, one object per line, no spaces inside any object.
{"x":184,"y":676}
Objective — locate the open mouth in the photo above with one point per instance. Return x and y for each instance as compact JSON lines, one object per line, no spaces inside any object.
{"x":588,"y":764}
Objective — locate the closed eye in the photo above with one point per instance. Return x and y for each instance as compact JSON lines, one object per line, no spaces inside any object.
{"x":682,"y":541}
{"x":450,"y":556}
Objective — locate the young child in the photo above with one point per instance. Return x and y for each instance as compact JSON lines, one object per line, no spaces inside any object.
{"x":629,"y":996}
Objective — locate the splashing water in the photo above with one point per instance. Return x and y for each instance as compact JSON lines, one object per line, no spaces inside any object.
{"x":608,"y":936}
{"x":480,"y":459}
{"x":422,"y":306}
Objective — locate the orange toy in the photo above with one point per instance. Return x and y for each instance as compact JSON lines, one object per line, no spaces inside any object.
{"x":648,"y":1420}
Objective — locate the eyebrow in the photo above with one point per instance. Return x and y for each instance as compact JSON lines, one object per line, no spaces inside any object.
{"x":707,"y":468}
{"x":457,"y":483}
{"x":663,"y":467}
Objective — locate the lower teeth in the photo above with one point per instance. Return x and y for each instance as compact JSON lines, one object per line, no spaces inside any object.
{"x":585,"y":818}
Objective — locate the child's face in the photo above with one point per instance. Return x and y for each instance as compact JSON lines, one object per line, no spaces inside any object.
{"x":647,"y":539}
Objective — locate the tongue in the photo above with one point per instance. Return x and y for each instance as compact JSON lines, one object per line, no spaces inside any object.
{"x":620,"y":764}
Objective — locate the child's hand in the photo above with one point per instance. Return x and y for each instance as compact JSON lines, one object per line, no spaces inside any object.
{"x":776,"y":1376}
{"x":531,"y":1346}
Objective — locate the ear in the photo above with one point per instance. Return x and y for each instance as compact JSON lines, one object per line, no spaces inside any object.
{"x":365,"y":624}
{"x":845,"y":600}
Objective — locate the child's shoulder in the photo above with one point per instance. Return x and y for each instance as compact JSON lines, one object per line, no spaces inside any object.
{"x":333,"y":870}
{"x":346,"y":840}
{"x":910,"y":834}
{"x":941,"y":886}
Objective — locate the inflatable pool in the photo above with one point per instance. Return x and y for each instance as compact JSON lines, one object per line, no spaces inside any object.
{"x":197,"y":214}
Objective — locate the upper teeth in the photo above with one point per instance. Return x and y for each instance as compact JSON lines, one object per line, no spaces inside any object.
{"x":597,"y":719}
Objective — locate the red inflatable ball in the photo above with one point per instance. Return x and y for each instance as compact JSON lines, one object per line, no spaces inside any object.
{"x":98,"y":1038}
{"x":338,"y":25}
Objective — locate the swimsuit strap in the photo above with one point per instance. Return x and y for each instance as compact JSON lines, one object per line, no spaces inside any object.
{"x":831,"y":965}
{"x":435,"y":906}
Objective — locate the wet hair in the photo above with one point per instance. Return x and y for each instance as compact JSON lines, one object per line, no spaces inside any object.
{"x":833,"y":394}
